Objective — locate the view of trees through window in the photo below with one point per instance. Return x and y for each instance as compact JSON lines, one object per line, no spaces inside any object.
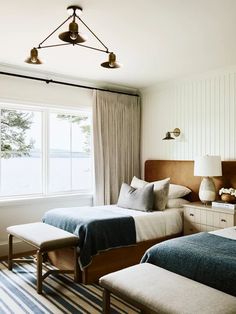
{"x":44,"y":152}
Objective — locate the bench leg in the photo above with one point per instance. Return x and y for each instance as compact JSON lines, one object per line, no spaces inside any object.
{"x":106,"y":302}
{"x":39,"y":272}
{"x":77,"y":273}
{"x":10,"y":249}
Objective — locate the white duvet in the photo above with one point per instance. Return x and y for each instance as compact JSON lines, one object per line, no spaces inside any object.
{"x":226,"y":233}
{"x":152,"y":225}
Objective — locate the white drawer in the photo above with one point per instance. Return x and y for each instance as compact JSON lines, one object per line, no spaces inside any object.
{"x":222,"y":220}
{"x":192,"y":214}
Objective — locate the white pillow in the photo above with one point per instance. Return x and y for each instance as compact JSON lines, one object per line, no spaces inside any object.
{"x":161,"y":189}
{"x":176,"y":202}
{"x":138,"y":183}
{"x":177,"y":191}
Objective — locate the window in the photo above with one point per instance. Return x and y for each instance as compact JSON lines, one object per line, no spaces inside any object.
{"x":69,"y":152}
{"x":44,"y":152}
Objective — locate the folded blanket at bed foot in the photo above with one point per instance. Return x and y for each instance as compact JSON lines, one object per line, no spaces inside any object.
{"x":98,"y":229}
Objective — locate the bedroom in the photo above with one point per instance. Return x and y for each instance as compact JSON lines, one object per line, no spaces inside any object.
{"x":185,"y":75}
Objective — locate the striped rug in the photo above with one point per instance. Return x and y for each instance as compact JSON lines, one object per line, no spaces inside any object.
{"x":60,"y":294}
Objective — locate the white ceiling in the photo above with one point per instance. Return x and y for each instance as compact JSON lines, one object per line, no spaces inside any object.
{"x":155,"y":40}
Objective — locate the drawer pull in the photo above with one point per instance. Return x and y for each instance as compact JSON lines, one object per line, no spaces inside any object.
{"x":191,"y":214}
{"x":223,"y":220}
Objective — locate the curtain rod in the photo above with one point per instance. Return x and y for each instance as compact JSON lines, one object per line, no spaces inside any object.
{"x":64,"y":83}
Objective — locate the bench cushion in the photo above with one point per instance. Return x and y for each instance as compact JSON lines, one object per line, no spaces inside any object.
{"x":162,"y":291}
{"x":43,"y":236}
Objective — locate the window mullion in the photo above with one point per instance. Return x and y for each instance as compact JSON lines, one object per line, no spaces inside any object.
{"x":0,"y":150}
{"x":71,"y":155}
{"x":45,"y":152}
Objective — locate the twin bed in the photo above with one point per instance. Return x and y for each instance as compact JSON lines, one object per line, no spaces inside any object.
{"x":151,"y":228}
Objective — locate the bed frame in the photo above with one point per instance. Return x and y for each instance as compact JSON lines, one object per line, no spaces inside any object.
{"x":180,"y":172}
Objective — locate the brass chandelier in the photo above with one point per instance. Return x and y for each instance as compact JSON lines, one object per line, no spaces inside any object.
{"x":73,"y":37}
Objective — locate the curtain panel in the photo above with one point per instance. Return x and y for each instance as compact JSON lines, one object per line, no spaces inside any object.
{"x":116,"y":134}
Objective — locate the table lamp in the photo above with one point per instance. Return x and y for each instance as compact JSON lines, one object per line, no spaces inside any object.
{"x":207,"y":167}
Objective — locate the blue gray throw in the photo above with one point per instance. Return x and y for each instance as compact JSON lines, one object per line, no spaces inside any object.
{"x":203,"y":257}
{"x":98,"y":229}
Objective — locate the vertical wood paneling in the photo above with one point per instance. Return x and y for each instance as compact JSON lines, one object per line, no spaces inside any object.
{"x":204,"y":110}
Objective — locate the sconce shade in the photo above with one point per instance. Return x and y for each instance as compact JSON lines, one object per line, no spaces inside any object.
{"x":208,"y":166}
{"x":168,"y":137}
{"x":33,"y":59}
{"x":111,"y":63}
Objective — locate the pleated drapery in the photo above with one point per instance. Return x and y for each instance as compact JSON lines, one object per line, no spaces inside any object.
{"x":116,"y":130}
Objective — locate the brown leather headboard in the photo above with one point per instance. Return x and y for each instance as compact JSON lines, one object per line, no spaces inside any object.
{"x":181,"y":172}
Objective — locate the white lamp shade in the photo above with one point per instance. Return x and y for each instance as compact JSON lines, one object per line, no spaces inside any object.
{"x":208,"y":166}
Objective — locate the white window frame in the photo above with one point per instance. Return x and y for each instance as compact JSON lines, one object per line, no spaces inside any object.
{"x":45,"y":114}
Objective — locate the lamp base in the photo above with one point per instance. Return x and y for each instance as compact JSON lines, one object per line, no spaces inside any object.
{"x":207,"y":190}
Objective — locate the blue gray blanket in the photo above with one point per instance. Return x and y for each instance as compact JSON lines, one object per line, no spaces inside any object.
{"x":98,"y":229}
{"x":203,"y":257}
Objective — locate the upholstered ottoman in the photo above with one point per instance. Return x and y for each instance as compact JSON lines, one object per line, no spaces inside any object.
{"x":44,"y":238}
{"x":156,"y":290}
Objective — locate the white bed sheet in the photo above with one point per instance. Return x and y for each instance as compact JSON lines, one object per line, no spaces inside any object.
{"x":226,"y":233}
{"x":152,"y":225}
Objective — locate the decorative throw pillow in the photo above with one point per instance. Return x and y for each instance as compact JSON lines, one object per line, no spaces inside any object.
{"x":176,"y":191}
{"x":161,"y":189}
{"x":176,"y":202}
{"x":139,"y":199}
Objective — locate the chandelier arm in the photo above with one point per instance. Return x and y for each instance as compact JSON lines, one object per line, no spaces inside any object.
{"x":92,"y":33}
{"x":56,"y":45}
{"x":55,"y":30}
{"x":93,"y":48}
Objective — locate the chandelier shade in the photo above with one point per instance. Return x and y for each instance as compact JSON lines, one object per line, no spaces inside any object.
{"x":74,"y":37}
{"x":111,"y":63}
{"x":33,"y":58}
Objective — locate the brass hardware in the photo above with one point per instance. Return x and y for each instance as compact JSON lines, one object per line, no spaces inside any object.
{"x":191,"y":214}
{"x":176,"y":132}
{"x":223,"y":220}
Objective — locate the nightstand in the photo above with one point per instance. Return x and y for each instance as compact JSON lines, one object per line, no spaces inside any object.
{"x":199,"y":217}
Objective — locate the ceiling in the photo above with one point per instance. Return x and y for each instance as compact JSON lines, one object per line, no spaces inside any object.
{"x":155,"y":40}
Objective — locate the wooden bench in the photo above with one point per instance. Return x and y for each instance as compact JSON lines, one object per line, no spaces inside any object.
{"x":155,"y":290}
{"x":44,"y":238}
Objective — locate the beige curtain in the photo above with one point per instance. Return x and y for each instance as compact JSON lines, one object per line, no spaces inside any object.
{"x":116,"y":128}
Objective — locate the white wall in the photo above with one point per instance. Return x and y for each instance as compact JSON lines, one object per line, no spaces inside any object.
{"x":203,"y":107}
{"x":34,"y":92}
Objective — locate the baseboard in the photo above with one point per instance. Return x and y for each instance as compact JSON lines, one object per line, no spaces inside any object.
{"x":19,"y":249}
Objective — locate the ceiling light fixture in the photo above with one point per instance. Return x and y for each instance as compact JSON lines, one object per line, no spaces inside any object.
{"x":74,"y":37}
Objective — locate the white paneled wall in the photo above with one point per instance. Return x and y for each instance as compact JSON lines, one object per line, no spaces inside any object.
{"x":203,"y":108}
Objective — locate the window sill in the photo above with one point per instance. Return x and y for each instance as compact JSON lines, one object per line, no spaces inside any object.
{"x":44,"y":199}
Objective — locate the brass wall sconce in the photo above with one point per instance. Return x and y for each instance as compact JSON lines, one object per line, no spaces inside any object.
{"x":73,"y":37}
{"x":168,"y":136}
